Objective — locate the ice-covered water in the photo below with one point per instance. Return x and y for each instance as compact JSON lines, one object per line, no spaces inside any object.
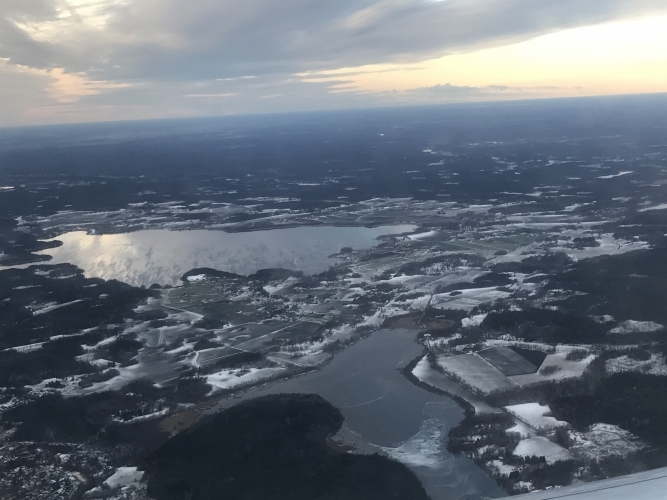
{"x":163,"y":256}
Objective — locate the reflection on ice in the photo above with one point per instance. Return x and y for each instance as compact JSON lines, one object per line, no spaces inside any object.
{"x":162,"y":256}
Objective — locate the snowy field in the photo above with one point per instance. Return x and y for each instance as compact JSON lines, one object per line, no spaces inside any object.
{"x":608,"y":245}
{"x":539,"y":446}
{"x":474,"y":372}
{"x":535,"y":415}
{"x":229,"y":379}
{"x":428,"y":375}
{"x":522,"y":430}
{"x":564,"y":369}
{"x":467,"y":300}
{"x":124,"y":476}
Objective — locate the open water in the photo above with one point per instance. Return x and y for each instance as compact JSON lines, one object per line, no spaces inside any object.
{"x":389,"y":414}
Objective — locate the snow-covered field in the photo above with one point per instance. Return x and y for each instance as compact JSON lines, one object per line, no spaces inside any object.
{"x":539,"y":446}
{"x":229,"y":379}
{"x":428,"y":375}
{"x":535,"y":415}
{"x":608,"y":244}
{"x":473,"y":320}
{"x":468,"y":299}
{"x":501,"y":468}
{"x":564,"y":369}
{"x":522,"y":430}
{"x":474,"y":372}
{"x":316,"y":358}
{"x":124,"y":476}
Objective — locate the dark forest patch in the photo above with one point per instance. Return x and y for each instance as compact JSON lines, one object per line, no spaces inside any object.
{"x":273,"y":447}
{"x":275,"y":274}
{"x":546,"y":325}
{"x":633,"y":401}
{"x":547,"y":263}
{"x":53,"y":418}
{"x":91,"y":303}
{"x":628,"y":286}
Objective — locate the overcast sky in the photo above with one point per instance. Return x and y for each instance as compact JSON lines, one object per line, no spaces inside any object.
{"x":96,"y":60}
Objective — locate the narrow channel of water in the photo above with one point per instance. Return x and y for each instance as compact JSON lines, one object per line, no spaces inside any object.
{"x":391,"y":414}
{"x":163,"y":256}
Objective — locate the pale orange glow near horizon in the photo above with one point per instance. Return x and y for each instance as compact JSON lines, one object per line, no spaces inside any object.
{"x":617,"y":58}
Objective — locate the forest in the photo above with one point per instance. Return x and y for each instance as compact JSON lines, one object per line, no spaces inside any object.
{"x":281,"y":440}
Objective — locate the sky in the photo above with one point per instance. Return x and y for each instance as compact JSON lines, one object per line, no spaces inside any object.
{"x":65,"y":61}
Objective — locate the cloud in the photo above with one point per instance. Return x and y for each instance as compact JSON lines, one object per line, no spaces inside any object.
{"x":164,"y":49}
{"x":448,"y":93}
{"x":201,"y":39}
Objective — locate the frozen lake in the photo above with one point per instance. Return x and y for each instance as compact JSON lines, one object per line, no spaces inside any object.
{"x":386,"y":412}
{"x":163,"y":256}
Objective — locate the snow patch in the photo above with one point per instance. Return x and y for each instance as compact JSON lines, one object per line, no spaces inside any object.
{"x":535,"y":415}
{"x":626,"y":172}
{"x":473,"y":320}
{"x":229,"y":379}
{"x":541,"y":447}
{"x":654,"y":366}
{"x":662,"y":206}
{"x":145,"y":418}
{"x":421,"y":236}
{"x":522,"y":429}
{"x":564,"y":368}
{"x":124,"y":476}
{"x":631,"y":326}
{"x":50,"y":306}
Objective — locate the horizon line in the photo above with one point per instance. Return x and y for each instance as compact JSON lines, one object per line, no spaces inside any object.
{"x":495,"y":102}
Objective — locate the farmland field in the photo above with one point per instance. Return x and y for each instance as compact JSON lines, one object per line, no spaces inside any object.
{"x":476,"y":373}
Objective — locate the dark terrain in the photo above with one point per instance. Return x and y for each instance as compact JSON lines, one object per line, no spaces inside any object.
{"x":556,"y":210}
{"x":281,"y":439}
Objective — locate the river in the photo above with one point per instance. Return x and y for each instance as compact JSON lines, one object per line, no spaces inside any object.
{"x":388,"y":413}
